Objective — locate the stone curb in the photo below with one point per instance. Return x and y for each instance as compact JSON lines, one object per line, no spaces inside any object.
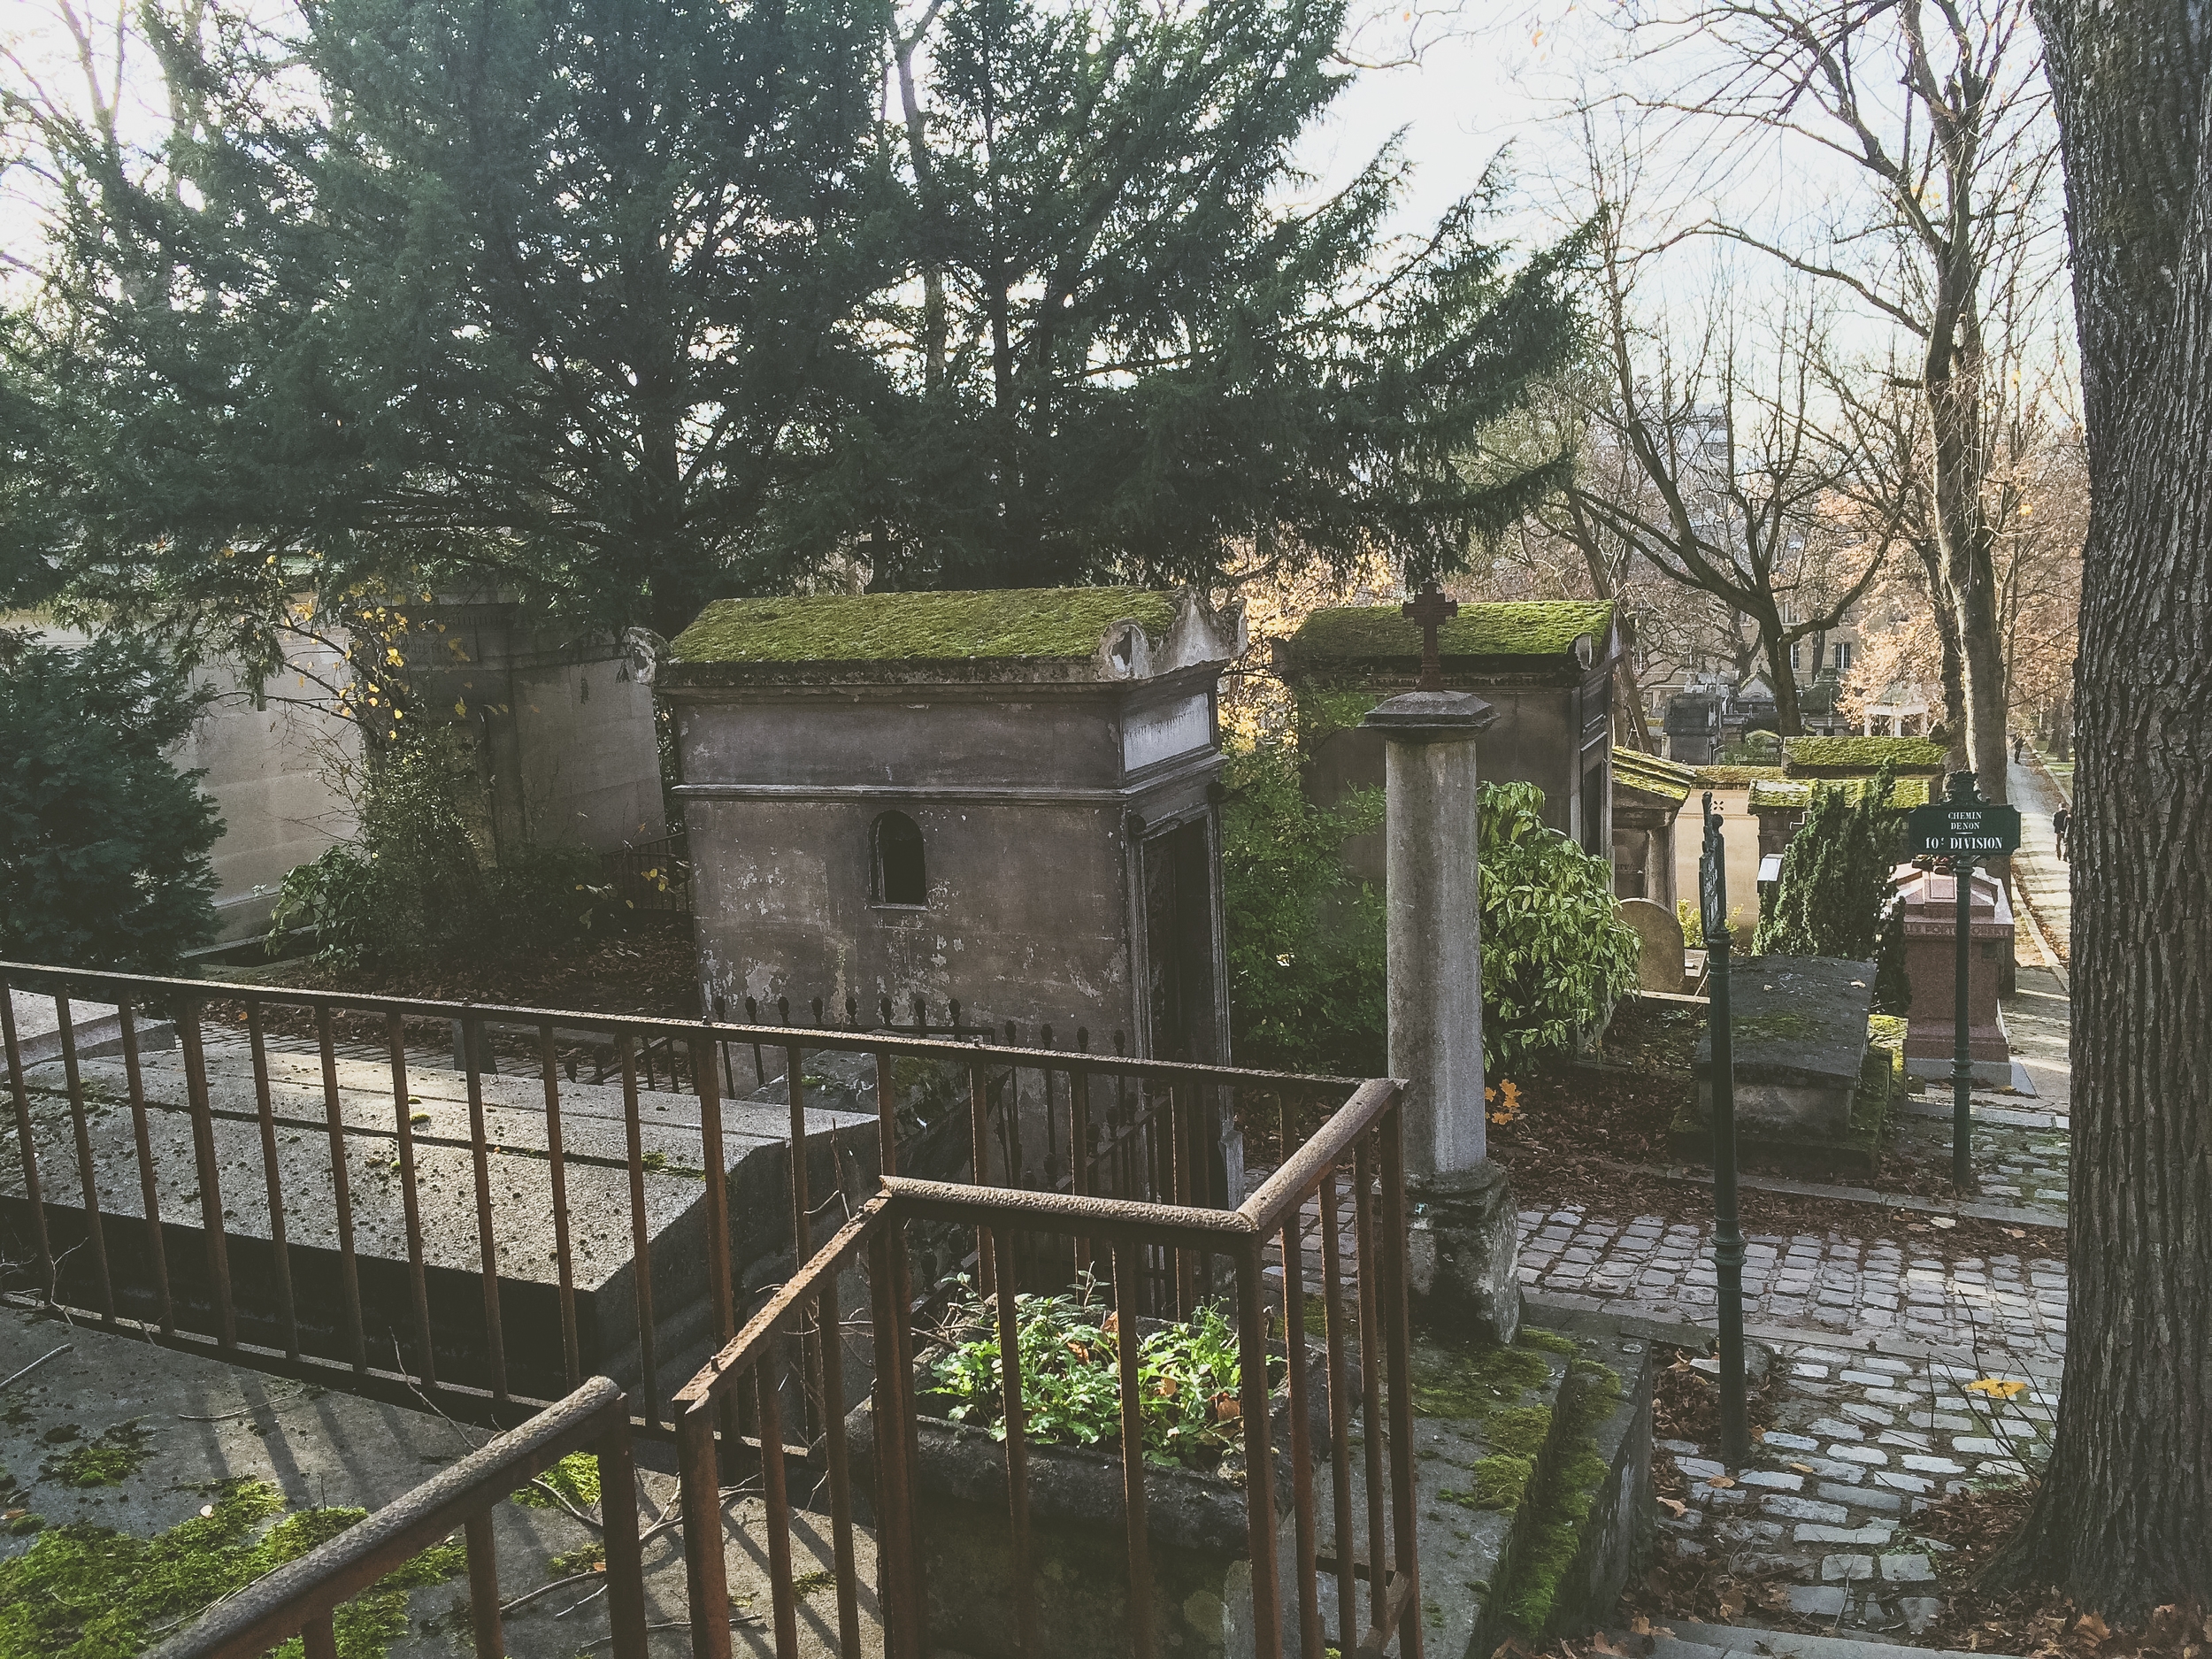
{"x":2011,"y":1215}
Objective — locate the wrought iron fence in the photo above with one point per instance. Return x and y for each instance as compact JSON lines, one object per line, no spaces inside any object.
{"x":653,"y":877}
{"x":334,"y":1193}
{"x":783,"y":1375}
{"x":300,"y":1598}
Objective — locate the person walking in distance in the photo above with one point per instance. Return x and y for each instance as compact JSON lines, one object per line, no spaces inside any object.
{"x":2019,"y":744}
{"x":2062,"y":821}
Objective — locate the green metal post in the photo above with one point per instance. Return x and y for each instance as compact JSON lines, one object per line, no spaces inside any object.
{"x":1962,"y":793}
{"x":1728,"y":1247}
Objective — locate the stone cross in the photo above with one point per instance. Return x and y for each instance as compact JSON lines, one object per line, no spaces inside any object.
{"x":1430,"y":611}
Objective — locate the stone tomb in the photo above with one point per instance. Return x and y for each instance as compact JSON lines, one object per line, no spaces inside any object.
{"x":1931,"y":932}
{"x":755,"y":1136}
{"x":1817,"y":1077}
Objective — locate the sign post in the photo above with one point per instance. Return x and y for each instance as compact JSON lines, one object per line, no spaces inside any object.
{"x":1728,"y":1248}
{"x":1965,"y":829}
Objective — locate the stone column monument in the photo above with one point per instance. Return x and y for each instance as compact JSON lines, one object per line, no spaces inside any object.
{"x":1461,"y":1255}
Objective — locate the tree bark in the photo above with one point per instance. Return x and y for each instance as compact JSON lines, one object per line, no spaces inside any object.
{"x":2124,"y":1521}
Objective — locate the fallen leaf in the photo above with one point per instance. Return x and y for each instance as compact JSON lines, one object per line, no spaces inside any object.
{"x":1722,"y":1481}
{"x":1946,"y":1222}
{"x":1639,"y":1626}
{"x":1598,"y":1644}
{"x":1674,"y":1506}
{"x":1996,"y":1387}
{"x":2016,"y":1232}
{"x":1802,"y":1469}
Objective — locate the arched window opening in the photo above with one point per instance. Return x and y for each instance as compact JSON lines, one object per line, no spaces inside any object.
{"x":900,"y":875}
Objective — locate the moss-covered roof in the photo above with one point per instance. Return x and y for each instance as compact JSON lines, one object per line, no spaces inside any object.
{"x":1791,"y":794}
{"x":1670,"y":779}
{"x":1733,"y":777}
{"x":1000,"y":624}
{"x":1861,"y":754}
{"x":1381,"y":634}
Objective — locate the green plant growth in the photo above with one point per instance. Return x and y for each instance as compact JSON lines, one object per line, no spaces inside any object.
{"x":83,"y":1591}
{"x":1686,"y":911}
{"x":106,"y":1461}
{"x":1188,"y":1375}
{"x":1305,"y":935}
{"x":418,"y":882}
{"x":1835,"y":892}
{"x":576,"y":1477}
{"x":103,"y":844}
{"x":1555,"y":955}
{"x":1530,"y":1597}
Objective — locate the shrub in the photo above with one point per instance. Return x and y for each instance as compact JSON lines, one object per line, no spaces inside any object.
{"x":1834,"y":885}
{"x":1555,"y":955}
{"x":417,"y":883}
{"x":1305,"y":944}
{"x":103,"y":844}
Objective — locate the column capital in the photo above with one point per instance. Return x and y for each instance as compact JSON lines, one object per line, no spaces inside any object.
{"x":1431,"y":716}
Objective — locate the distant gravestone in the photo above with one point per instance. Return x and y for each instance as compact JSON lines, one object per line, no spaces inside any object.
{"x":1659,"y":954}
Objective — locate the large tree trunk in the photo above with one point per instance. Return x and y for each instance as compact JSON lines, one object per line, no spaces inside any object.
{"x":2124,"y":1521}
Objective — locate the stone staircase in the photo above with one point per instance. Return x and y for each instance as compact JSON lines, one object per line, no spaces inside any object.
{"x":1713,"y":1641}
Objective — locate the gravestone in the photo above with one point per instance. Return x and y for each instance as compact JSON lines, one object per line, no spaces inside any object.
{"x":756,"y":1137}
{"x":1931,"y":903}
{"x":1814,"y":1088}
{"x":1659,"y":952}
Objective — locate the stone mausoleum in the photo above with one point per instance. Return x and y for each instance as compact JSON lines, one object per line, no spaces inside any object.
{"x":1546,"y":668}
{"x":1007,"y":798}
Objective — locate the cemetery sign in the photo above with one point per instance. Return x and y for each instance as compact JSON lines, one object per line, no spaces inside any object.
{"x":1954,"y":829}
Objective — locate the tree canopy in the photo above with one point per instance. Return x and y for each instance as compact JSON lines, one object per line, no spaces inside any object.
{"x":620,"y":308}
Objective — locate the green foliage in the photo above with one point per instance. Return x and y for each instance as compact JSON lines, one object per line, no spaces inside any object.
{"x":1188,"y":1375}
{"x":1305,"y":936}
{"x":103,"y":844}
{"x":1555,"y":955}
{"x":104,"y":1462}
{"x":84,"y":1592}
{"x":1835,"y":884}
{"x":576,"y":1477}
{"x":416,"y":885}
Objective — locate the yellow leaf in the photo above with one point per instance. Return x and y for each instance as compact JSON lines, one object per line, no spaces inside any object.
{"x":1996,"y":1387}
{"x":460,"y":707}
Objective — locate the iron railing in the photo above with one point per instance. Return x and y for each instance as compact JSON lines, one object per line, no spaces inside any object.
{"x":318,"y":1252}
{"x":299,"y":1599}
{"x":652,"y":878}
{"x":784,"y":1373}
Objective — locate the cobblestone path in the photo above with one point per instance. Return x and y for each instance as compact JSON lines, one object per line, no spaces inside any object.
{"x":2009,"y":1307}
{"x":1821,"y":1516}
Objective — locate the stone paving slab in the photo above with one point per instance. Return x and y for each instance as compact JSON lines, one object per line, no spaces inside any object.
{"x":1869,"y":1439}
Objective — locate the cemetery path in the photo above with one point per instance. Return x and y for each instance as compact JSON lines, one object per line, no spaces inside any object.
{"x":2037,"y":873}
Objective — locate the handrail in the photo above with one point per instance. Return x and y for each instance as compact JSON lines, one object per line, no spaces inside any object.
{"x":1264,"y":1211}
{"x":857,"y":1039}
{"x":298,"y":1599}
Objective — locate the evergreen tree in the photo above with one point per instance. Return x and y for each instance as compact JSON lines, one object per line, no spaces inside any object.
{"x":103,"y":844}
{"x":1835,"y":887}
{"x":553,"y":296}
{"x":1131,"y":355}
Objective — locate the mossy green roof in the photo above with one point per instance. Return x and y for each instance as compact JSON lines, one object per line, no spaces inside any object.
{"x":1670,"y":779}
{"x":1733,"y":777}
{"x":1861,"y":754}
{"x":1793,"y":793}
{"x":1381,"y":634}
{"x":1001,"y":624}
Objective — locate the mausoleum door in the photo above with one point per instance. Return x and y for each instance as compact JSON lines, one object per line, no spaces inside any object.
{"x":1179,"y":942}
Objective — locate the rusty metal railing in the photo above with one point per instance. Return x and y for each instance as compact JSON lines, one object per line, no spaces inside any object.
{"x":789,"y":1359}
{"x":375,"y":1219}
{"x":300,"y":1598}
{"x":651,"y":877}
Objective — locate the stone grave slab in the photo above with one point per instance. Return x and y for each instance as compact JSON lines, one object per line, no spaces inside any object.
{"x":1660,"y":954}
{"x":1814,"y":1091}
{"x":596,"y":1169}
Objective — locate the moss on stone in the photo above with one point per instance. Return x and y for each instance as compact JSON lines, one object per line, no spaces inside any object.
{"x":93,"y":1593}
{"x":1906,"y":754}
{"x":1531,"y":1589}
{"x":1381,"y":634}
{"x":106,"y":1462}
{"x":576,"y":1477}
{"x":1499,"y":1480}
{"x":1473,"y":1384}
{"x":1733,"y":777}
{"x":1668,"y":779}
{"x":1550,"y":1341}
{"x":1012,"y":622}
{"x":1776,"y":1027}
